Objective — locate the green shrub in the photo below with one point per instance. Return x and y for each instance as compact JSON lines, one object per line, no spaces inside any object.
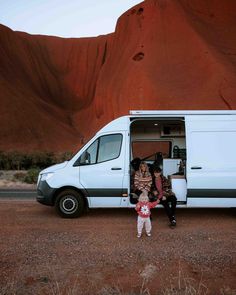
{"x":4,"y":161}
{"x":32,"y":176}
{"x":23,"y":161}
{"x":66,"y":156}
{"x":42,"y":159}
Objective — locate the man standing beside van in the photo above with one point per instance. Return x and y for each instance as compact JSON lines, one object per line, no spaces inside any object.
{"x":161,"y":189}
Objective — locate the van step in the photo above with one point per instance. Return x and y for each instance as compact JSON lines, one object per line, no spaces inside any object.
{"x":181,"y":202}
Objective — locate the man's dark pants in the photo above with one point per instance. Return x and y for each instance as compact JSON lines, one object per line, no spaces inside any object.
{"x":169,"y":204}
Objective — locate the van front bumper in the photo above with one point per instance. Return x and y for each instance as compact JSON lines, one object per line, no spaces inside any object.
{"x":45,"y":193}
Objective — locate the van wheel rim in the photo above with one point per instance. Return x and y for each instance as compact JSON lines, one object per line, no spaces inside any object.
{"x":69,"y":204}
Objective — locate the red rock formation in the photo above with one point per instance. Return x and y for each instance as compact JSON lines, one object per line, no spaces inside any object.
{"x":44,"y":81}
{"x":164,"y":54}
{"x":176,"y":55}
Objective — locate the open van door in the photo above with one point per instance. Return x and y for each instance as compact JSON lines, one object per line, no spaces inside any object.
{"x":211,"y":160}
{"x":102,"y":170}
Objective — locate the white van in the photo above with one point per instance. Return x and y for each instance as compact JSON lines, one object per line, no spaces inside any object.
{"x":199,"y":157}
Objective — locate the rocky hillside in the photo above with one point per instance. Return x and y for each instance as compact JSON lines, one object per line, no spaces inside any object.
{"x":56,"y":92}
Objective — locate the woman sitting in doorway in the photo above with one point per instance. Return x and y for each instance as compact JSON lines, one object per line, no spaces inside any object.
{"x":142,"y":179}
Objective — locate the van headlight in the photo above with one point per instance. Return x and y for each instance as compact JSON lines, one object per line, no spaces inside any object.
{"x":46,"y":176}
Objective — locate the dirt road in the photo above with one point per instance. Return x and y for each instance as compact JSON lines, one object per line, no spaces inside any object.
{"x":41,"y":253}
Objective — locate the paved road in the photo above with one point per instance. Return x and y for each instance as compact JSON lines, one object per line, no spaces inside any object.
{"x":6,"y":194}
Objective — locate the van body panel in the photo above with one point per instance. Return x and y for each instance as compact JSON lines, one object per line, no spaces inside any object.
{"x":119,"y":124}
{"x":212,"y":193}
{"x":211,"y":157}
{"x":65,"y":177}
{"x":55,"y":167}
{"x":211,"y":202}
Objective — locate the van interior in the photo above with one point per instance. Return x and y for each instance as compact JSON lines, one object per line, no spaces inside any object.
{"x":161,"y":141}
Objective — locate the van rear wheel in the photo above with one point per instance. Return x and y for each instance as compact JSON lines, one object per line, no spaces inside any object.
{"x":69,"y":204}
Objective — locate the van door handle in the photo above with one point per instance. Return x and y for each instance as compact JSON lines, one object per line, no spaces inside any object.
{"x":196,"y":167}
{"x":115,"y":168}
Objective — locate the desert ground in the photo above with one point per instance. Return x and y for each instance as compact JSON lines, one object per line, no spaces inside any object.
{"x":99,"y":253}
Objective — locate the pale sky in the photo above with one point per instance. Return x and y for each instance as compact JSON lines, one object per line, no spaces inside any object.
{"x":64,"y":18}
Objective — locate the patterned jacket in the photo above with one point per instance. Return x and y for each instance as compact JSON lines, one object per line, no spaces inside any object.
{"x":142,"y":180}
{"x":166,"y":186}
{"x":143,"y":208}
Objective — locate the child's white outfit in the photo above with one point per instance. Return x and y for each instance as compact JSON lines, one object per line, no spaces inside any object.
{"x":144,"y":212}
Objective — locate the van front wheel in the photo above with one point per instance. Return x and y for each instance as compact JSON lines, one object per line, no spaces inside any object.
{"x":69,"y":204}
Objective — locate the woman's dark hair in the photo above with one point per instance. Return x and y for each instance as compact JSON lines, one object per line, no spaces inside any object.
{"x":157,"y":169}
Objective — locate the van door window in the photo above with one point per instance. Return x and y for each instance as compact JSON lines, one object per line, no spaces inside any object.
{"x":109,"y":147}
{"x":105,"y":148}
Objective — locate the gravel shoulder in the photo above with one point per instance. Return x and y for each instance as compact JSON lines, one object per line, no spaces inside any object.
{"x":41,"y":253}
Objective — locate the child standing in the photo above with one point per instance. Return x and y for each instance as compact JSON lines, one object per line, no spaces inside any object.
{"x":143,"y":209}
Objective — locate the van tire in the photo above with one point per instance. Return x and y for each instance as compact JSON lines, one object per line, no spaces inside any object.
{"x":69,"y":204}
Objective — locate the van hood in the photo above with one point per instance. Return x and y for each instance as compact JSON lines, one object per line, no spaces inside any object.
{"x":53,"y":168}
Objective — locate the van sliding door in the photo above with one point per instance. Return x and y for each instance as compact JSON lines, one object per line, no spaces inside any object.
{"x":211,"y":160}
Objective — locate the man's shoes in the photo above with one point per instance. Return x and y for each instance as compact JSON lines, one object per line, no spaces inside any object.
{"x":173,"y":222}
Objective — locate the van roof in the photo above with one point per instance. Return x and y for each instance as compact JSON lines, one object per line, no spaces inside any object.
{"x":183,"y":112}
{"x":122,"y":123}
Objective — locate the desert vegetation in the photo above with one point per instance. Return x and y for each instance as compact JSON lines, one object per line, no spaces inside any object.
{"x":24,"y":167}
{"x":15,"y":160}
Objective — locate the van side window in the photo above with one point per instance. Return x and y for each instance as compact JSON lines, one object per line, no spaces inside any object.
{"x":105,"y":148}
{"x":109,"y":147}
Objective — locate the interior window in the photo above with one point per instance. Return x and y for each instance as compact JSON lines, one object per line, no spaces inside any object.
{"x":148,"y":149}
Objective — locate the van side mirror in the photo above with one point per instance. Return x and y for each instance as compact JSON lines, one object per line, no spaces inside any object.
{"x":84,"y":159}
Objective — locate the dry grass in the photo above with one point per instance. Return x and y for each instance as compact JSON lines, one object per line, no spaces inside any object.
{"x":13,"y":179}
{"x":178,"y":285}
